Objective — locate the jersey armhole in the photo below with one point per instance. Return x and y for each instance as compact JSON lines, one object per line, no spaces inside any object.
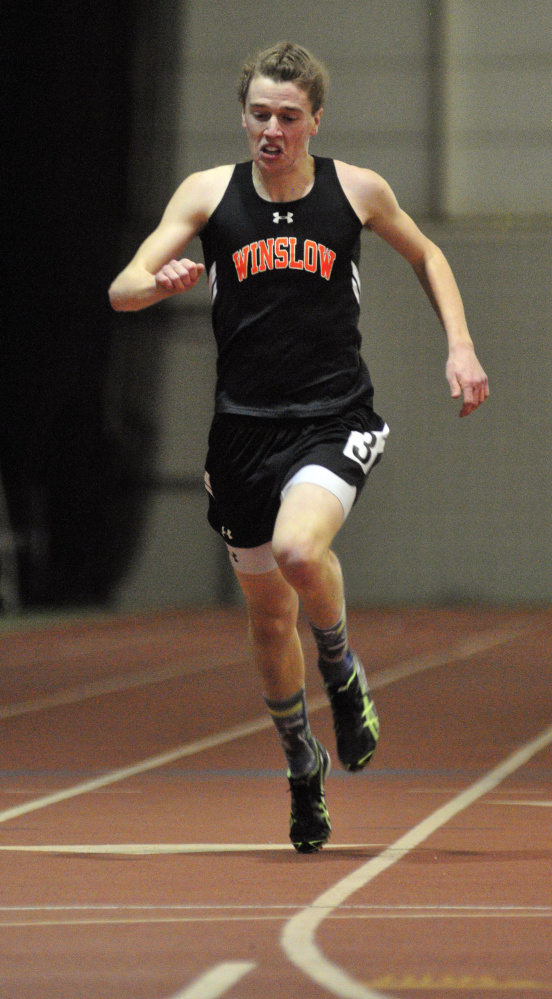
{"x":361,"y":225}
{"x":221,"y":199}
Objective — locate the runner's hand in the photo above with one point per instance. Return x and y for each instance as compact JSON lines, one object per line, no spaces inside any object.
{"x":466,"y":377}
{"x":178,"y":276}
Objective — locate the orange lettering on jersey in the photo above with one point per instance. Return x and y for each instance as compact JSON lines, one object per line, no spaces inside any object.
{"x":296,"y":264}
{"x":266,"y":255}
{"x":327,"y":258}
{"x":254,"y":262}
{"x":281,"y":253}
{"x":310,"y":254}
{"x":280,"y":246}
{"x":240,"y":258}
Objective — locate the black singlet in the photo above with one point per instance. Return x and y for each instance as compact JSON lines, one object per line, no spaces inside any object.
{"x":285,"y":293}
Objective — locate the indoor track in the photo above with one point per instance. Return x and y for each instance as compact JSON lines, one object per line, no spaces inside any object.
{"x":144,"y":812}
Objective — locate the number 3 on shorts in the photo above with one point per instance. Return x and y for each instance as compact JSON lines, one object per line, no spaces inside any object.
{"x":366,"y":448}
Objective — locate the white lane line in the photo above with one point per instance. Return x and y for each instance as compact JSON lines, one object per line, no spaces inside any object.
{"x":395,"y":911}
{"x":180,"y":920}
{"x":521,"y":801}
{"x":167,"y":848}
{"x":113,"y":915}
{"x":31,"y":650}
{"x":128,"y":681}
{"x":465,"y":649}
{"x":27,"y":791}
{"x":182,"y":907}
{"x":468,"y":647}
{"x":468,"y":984}
{"x":147,"y":921}
{"x":297,"y":937}
{"x":454,"y":790}
{"x":107,"y":685}
{"x":216,"y":981}
{"x":162,"y":760}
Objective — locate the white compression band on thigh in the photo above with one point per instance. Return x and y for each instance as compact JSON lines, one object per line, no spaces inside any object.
{"x":252,"y":561}
{"x":320,"y":476}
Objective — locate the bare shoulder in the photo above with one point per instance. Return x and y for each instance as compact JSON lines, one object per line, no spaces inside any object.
{"x":200,"y":193}
{"x":210,"y":184}
{"x":367,"y":191}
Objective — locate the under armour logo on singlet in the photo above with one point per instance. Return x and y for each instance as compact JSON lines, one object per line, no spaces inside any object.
{"x":276,"y":217}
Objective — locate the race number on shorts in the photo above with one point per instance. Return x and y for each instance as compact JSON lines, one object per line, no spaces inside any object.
{"x":366,"y":448}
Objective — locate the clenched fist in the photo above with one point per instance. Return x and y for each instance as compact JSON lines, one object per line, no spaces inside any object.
{"x":178,"y":276}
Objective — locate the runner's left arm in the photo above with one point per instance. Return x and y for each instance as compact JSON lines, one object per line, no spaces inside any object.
{"x":385,"y":217}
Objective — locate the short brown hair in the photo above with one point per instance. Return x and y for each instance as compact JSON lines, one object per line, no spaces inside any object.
{"x":287,"y":62}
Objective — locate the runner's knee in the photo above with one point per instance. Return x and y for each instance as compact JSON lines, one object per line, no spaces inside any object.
{"x":300,"y":560}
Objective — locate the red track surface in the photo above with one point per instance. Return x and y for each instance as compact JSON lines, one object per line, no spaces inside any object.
{"x":463,"y":909}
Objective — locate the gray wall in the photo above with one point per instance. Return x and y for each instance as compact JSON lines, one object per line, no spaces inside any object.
{"x":459,"y":509}
{"x":421,"y":92}
{"x":497,"y":56}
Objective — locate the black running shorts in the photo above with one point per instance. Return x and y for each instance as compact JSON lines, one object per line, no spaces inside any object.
{"x":250,"y":459}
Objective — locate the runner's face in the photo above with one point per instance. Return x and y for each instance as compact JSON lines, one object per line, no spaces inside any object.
{"x":279,"y":123}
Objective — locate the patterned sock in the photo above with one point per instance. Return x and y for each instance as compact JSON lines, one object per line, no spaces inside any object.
{"x":334,"y":659}
{"x":292,"y":725}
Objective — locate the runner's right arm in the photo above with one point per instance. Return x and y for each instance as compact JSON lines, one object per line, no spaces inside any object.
{"x":157,"y":271}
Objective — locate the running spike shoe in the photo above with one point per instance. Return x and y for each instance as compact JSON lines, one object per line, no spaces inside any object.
{"x":309,"y":822}
{"x":356,"y":722}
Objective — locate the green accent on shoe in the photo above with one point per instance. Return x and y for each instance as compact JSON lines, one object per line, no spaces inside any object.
{"x":309,"y":821}
{"x":356,"y":722}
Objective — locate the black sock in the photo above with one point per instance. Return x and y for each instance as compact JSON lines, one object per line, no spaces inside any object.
{"x":292,"y":725}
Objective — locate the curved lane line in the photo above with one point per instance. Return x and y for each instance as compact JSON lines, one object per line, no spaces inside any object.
{"x":297,"y":938}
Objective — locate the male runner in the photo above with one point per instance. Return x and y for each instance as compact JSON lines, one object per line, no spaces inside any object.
{"x":294,"y":434}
